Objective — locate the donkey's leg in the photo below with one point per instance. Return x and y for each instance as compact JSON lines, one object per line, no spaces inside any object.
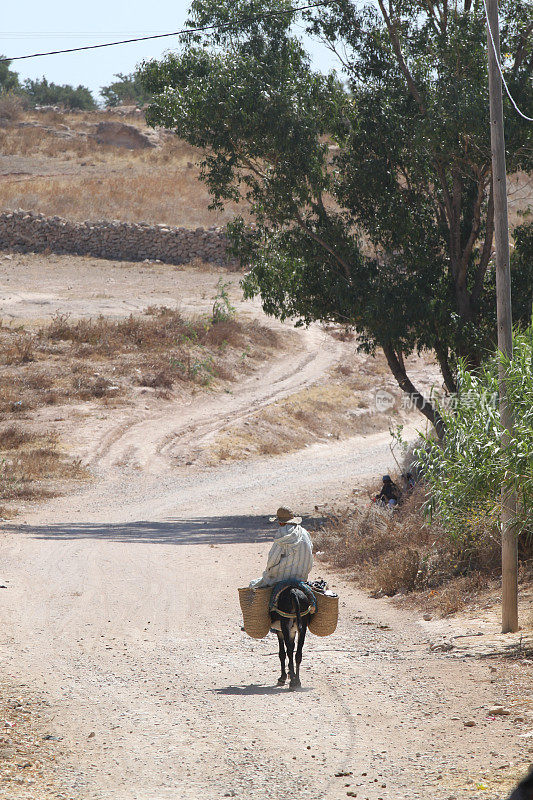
{"x":301,"y":640}
{"x":283,"y":677}
{"x":289,"y":636}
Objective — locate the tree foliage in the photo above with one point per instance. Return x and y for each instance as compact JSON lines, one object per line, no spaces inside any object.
{"x":42,"y":93}
{"x":126,"y":90}
{"x":466,"y":472}
{"x":522,"y":268}
{"x":9,"y":79}
{"x":371,"y":197}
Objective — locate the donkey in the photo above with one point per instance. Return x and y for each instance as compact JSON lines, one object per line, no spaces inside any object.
{"x":524,"y":790}
{"x":289,"y":617}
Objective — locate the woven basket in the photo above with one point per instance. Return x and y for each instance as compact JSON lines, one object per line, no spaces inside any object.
{"x":324,"y":621}
{"x":255,"y":612}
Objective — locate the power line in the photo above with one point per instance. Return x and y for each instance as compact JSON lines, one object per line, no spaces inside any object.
{"x":224,"y":26}
{"x":23,"y":34}
{"x":184,"y":32}
{"x":511,"y":98}
{"x":14,"y":35}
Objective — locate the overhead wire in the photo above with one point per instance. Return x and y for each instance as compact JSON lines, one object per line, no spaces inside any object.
{"x":502,"y":76}
{"x":250,"y":18}
{"x":183,"y":32}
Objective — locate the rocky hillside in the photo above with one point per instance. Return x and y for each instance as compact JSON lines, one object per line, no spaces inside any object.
{"x":99,"y":165}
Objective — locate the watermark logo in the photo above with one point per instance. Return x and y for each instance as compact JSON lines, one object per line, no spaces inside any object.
{"x":451,"y":402}
{"x":383,"y":400}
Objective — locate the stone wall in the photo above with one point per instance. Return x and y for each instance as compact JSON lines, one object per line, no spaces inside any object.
{"x":128,"y":241}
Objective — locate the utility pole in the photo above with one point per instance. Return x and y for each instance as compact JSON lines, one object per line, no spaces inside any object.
{"x":503,"y":307}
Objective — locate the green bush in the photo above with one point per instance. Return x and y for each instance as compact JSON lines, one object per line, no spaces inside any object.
{"x":465,"y":472}
{"x":126,"y":90}
{"x":223,"y":311}
{"x":42,"y":93}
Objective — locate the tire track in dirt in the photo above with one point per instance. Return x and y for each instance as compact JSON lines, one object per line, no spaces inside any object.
{"x":151,"y":441}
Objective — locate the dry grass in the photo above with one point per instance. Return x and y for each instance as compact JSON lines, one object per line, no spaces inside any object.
{"x":157,"y":185}
{"x":32,"y":465}
{"x":455,"y":594}
{"x":66,"y":135}
{"x":11,"y":107}
{"x":170,"y":347}
{"x":520,"y":198}
{"x":13,"y":437}
{"x":339,"y":407}
{"x":400,"y":553}
{"x":92,"y":181}
{"x":35,"y":141}
{"x":18,"y":351}
{"x":396,"y":571}
{"x":71,"y":361}
{"x":166,"y":195}
{"x":106,"y":362}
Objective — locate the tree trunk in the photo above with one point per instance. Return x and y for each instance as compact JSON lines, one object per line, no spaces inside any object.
{"x":397,"y":368}
{"x":442,"y":357}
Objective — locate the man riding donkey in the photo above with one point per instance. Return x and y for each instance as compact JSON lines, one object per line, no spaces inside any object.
{"x":291,"y":602}
{"x":291,"y":555}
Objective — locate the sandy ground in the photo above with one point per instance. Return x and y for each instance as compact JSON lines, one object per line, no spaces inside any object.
{"x":34,"y":287}
{"x":121,"y":614}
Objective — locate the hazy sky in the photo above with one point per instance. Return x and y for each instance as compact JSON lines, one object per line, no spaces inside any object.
{"x":37,"y":25}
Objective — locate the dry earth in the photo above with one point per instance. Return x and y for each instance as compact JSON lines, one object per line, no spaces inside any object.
{"x":49,"y":163}
{"x":121,"y":625}
{"x":312,"y":370}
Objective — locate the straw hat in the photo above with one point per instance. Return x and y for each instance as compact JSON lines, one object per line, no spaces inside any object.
{"x":285,"y":515}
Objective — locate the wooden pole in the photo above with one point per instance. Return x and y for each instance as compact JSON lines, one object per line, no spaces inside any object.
{"x":503,"y":305}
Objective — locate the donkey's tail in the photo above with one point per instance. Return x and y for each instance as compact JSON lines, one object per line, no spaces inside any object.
{"x":296,"y":599}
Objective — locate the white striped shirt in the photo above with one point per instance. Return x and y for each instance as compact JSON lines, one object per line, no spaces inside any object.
{"x":291,"y":556}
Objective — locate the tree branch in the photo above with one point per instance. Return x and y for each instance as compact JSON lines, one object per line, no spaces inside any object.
{"x":487,"y":249}
{"x":331,"y":47}
{"x":401,"y":61}
{"x":395,"y":362}
{"x":521,"y":50}
{"x":249,"y":164}
{"x":455,"y":224}
{"x":319,"y":240}
{"x":406,"y":177}
{"x":435,"y":21}
{"x":441,"y":351}
{"x":445,"y":191}
{"x":474,"y":231}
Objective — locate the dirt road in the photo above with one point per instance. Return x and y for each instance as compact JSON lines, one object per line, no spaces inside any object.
{"x":126,"y":619}
{"x":121,"y":611}
{"x":124,"y":615}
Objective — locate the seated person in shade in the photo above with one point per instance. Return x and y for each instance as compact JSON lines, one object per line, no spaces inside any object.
{"x":389,"y":494}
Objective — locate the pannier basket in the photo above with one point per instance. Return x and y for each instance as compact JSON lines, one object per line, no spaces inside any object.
{"x":255,"y":612}
{"x":324,"y":621}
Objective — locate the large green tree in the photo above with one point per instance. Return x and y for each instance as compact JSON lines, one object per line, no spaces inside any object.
{"x":371,"y":197}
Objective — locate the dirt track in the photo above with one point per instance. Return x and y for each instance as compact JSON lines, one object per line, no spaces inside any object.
{"x":122,"y":612}
{"x":130,"y":628}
